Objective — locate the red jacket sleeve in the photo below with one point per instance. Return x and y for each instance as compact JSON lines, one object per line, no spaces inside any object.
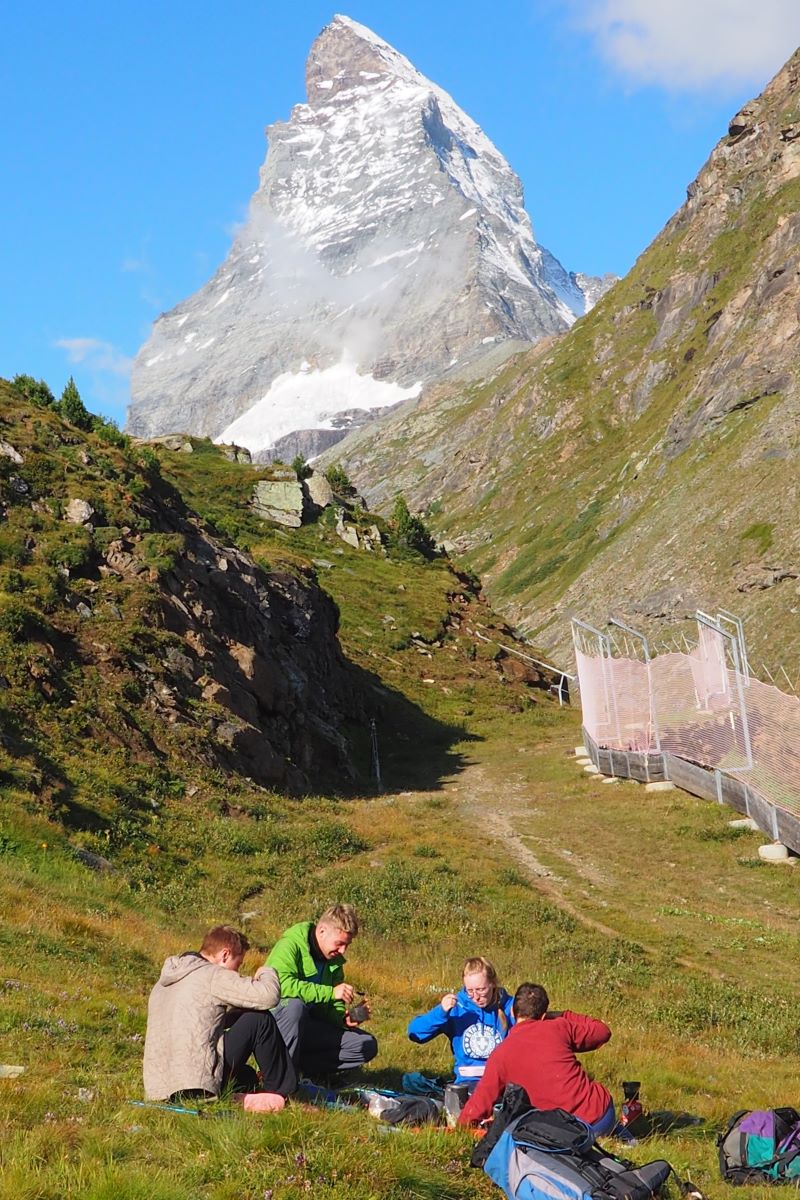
{"x":586,"y":1033}
{"x":489,"y":1090}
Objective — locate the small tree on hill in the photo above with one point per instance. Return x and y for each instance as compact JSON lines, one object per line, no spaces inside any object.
{"x":300,"y":467}
{"x":339,"y":480}
{"x":409,"y":531}
{"x":34,"y":390}
{"x":72,"y":408}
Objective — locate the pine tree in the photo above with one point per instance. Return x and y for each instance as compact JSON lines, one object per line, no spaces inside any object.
{"x":72,"y":408}
{"x":300,"y":467}
{"x":410,"y":531}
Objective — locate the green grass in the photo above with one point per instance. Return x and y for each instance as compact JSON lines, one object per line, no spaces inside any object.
{"x":761,"y":534}
{"x":485,"y":839}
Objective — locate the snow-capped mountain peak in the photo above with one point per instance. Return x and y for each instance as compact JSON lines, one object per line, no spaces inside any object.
{"x":388,"y":237}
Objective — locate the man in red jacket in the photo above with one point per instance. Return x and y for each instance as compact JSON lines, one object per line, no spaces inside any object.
{"x":539,"y":1055}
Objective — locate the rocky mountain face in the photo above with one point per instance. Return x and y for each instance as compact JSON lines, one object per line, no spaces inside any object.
{"x":386,"y":245}
{"x":648,"y":461}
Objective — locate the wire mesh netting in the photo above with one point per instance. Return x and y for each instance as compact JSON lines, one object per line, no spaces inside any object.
{"x":698,"y":705}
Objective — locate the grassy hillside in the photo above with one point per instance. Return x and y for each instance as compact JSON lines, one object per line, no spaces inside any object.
{"x":486,"y":838}
{"x":646,"y":463}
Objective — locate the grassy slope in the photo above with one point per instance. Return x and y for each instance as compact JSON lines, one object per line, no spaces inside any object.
{"x":478,"y":779}
{"x":589,"y":474}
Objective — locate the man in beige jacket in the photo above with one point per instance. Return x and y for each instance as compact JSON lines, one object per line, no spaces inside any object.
{"x":204,"y":1020}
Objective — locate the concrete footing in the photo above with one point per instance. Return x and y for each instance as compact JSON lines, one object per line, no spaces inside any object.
{"x":774,"y":852}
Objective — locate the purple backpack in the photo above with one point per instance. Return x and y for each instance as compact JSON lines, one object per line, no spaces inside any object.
{"x":762,"y":1146}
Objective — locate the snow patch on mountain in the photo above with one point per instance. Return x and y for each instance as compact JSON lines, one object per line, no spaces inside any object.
{"x":310,"y":399}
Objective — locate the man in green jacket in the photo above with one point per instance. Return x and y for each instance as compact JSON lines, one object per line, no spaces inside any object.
{"x":314,"y":1015}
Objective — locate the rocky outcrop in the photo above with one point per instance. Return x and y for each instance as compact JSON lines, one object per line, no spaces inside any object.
{"x":136,"y":629}
{"x":386,"y":243}
{"x":260,"y":649}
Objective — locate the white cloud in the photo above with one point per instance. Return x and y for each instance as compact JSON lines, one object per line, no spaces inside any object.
{"x":692,"y":44}
{"x":96,"y":355}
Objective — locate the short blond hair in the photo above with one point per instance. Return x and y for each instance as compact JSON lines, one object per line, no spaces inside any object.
{"x":341,"y":916}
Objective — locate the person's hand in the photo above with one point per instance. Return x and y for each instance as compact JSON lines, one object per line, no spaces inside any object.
{"x":343,"y":991}
{"x":359,"y":1013}
{"x":449,"y":1001}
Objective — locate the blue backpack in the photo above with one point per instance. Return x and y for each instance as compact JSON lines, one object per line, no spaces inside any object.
{"x":762,"y":1146}
{"x":551,"y":1155}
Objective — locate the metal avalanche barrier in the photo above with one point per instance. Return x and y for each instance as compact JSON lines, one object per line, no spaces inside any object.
{"x":699,"y":709}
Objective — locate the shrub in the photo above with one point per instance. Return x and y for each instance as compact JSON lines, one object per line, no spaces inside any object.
{"x":301,"y":468}
{"x":16,"y":618}
{"x":409,"y":532}
{"x":331,"y":840}
{"x":339,"y":480}
{"x":42,"y":473}
{"x":147,"y":458}
{"x":34,"y":390}
{"x":14,"y":549}
{"x":160,"y":551}
{"x":69,"y":547}
{"x":109,"y":431}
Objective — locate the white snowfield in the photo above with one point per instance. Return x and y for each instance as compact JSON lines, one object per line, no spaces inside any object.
{"x":309,"y":399}
{"x":387,"y":239}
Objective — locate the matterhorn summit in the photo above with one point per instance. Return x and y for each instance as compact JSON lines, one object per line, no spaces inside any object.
{"x":386,"y":245}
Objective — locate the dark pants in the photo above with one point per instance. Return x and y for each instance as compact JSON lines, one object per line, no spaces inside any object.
{"x":256,"y":1033}
{"x":318,"y":1047}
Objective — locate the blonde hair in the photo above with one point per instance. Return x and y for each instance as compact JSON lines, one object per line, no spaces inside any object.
{"x":341,"y":916}
{"x":481,"y":966}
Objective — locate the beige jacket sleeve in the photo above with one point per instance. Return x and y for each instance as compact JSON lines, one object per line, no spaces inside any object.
{"x":238,"y":991}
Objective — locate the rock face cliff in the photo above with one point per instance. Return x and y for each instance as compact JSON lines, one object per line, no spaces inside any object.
{"x":648,"y":462}
{"x":387,"y":243}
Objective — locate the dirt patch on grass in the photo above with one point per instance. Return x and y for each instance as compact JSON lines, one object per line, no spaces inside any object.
{"x":499,"y":805}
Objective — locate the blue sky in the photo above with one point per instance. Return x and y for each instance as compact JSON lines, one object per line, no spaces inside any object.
{"x":132,"y":135}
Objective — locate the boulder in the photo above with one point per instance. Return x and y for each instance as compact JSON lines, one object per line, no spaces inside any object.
{"x":320,"y":492}
{"x":348,"y":533}
{"x":8,"y":451}
{"x":279,"y":500}
{"x":79,"y":512}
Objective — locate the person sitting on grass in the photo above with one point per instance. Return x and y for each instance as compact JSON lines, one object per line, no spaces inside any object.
{"x":204,"y":1020}
{"x":539,"y":1055}
{"x":475,"y":1021}
{"x":314,"y":1015}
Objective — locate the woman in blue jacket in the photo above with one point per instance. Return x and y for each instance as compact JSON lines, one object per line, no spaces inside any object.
{"x":474,"y":1021}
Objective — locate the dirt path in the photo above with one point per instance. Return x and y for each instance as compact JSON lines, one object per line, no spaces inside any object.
{"x":498,"y":805}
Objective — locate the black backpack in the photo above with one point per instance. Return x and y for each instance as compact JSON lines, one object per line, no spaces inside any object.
{"x":534,"y":1154}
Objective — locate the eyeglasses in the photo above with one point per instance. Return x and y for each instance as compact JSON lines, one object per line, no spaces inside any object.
{"x":473,"y":992}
